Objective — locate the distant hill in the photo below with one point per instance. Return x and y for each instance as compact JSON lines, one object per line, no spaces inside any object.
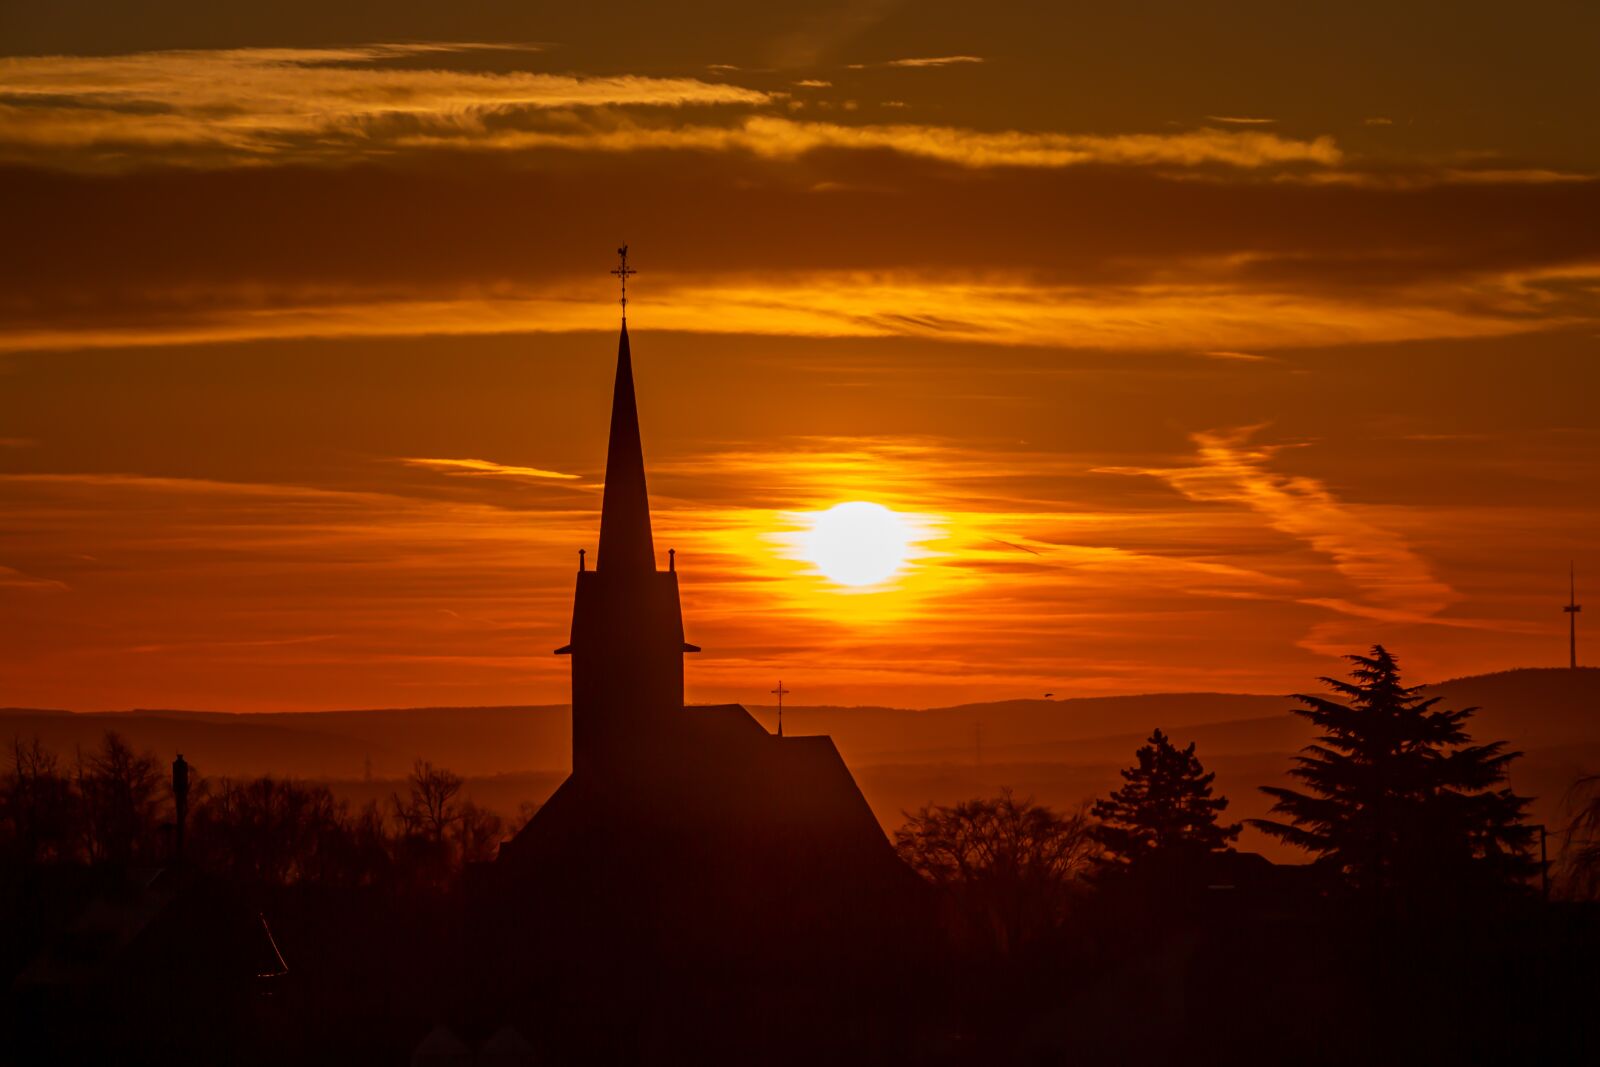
{"x":871,"y":734}
{"x":502,"y":740}
{"x":1060,"y":751}
{"x":320,"y":744}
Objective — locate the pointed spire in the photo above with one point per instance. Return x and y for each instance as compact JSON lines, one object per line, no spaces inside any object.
{"x":625,"y":540}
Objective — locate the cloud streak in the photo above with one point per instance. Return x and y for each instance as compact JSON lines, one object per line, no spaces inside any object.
{"x":1218,"y":319}
{"x":1392,"y":582}
{"x":481,"y":467}
{"x":930,"y":61}
{"x":266,"y":104}
{"x":785,"y":139}
{"x":256,"y":106}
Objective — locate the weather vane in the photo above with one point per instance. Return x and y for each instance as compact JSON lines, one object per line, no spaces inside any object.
{"x":622,"y":272}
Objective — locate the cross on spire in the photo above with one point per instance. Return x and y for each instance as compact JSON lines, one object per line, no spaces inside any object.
{"x":781,"y":692}
{"x":622,"y":272}
{"x":1572,"y":609}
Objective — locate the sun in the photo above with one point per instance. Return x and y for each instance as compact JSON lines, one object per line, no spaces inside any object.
{"x":857,"y":543}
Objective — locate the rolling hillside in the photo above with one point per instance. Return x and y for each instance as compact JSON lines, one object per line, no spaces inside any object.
{"x":1059,"y":751}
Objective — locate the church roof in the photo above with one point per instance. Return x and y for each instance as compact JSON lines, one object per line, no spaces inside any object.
{"x":722,"y":768}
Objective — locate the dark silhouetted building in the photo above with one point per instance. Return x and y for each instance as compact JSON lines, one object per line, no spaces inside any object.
{"x":686,"y":838}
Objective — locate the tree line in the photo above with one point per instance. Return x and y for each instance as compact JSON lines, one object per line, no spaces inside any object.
{"x":1394,"y":804}
{"x":115,"y":806}
{"x":1393,"y":801}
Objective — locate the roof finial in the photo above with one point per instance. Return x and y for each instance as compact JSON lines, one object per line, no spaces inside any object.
{"x":622,"y":272}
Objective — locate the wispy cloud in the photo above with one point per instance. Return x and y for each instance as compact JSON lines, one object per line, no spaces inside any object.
{"x":934,"y":61}
{"x":1428,"y":178}
{"x":780,"y":138}
{"x":1240,"y":120}
{"x":481,"y":467}
{"x":11,"y":578}
{"x":1030,"y":570}
{"x":1238,"y":357}
{"x":925,"y":61}
{"x":281,"y":105}
{"x":266,"y":103}
{"x":1391,"y":581}
{"x":1209,"y":317}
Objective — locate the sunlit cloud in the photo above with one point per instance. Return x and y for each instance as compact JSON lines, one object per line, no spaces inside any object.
{"x":1221,"y":320}
{"x":481,"y":467}
{"x":263,"y":103}
{"x":257,"y":106}
{"x":928,"y":61}
{"x":780,"y":138}
{"x":934,"y":61}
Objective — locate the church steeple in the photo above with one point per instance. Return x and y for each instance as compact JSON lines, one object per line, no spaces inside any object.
{"x":625,"y":539}
{"x":627,"y":627}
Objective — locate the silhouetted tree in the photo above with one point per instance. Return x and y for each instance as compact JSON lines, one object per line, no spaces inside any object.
{"x":1398,"y":800}
{"x":121,"y":795}
{"x":261,"y":831}
{"x":479,"y":832}
{"x":1579,"y":868}
{"x":430,"y":810}
{"x":438,"y":833}
{"x":275,"y":832}
{"x":1165,"y":809}
{"x":38,"y":806}
{"x":1011,"y":868}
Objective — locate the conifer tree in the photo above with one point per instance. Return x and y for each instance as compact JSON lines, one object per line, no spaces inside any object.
{"x":1397,"y":797}
{"x":1165,"y":808}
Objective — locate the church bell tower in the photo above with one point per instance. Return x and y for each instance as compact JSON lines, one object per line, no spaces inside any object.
{"x":627,"y":626}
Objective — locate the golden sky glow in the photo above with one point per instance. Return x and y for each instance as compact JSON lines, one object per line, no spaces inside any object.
{"x":1189,"y":358}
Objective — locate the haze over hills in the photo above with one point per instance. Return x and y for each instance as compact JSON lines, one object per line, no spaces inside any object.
{"x":1059,"y":751}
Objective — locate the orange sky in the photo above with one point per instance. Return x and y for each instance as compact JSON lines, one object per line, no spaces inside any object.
{"x":1202,"y":346}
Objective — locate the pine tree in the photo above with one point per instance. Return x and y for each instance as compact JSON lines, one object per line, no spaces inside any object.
{"x":1165,"y":808}
{"x":1398,"y":799}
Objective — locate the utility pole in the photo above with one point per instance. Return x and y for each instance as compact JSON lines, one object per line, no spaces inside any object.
{"x":1572,"y":609}
{"x":781,"y":691}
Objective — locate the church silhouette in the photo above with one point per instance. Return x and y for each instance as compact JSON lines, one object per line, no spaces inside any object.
{"x":686,"y":837}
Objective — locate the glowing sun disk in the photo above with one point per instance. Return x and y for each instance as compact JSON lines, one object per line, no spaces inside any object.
{"x":857,"y":543}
